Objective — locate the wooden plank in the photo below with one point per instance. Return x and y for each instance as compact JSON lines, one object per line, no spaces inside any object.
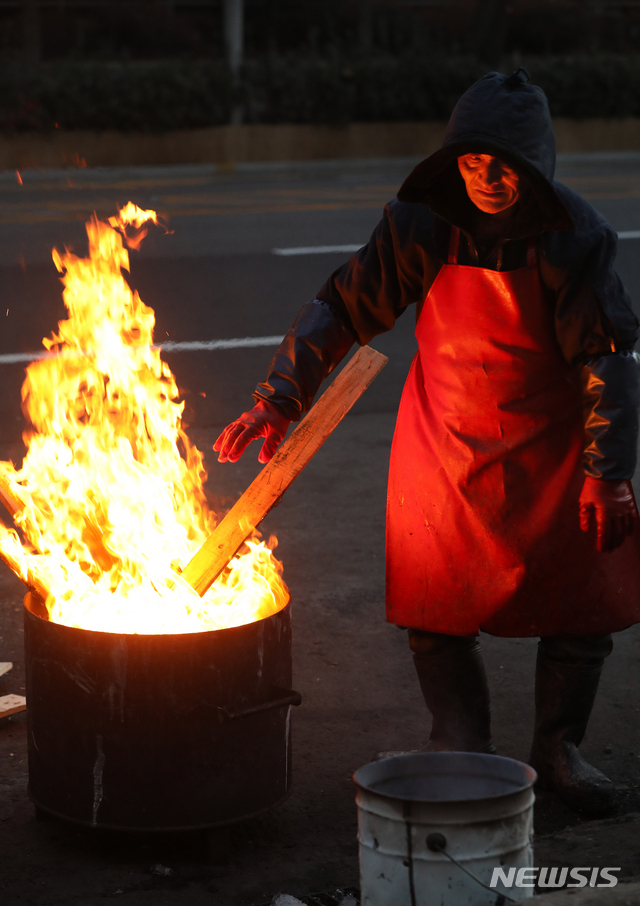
{"x":9,"y":498}
{"x":5,"y":667}
{"x":289,"y":460}
{"x":92,"y":535}
{"x":12,"y":704}
{"x":13,"y":503}
{"x":31,"y":580}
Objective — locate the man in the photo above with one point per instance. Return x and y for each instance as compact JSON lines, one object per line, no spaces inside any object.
{"x":510,"y":508}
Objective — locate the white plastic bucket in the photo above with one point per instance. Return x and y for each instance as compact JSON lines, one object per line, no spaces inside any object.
{"x":476,"y":809}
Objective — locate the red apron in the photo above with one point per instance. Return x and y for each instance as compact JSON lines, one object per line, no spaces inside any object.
{"x":486,"y":469}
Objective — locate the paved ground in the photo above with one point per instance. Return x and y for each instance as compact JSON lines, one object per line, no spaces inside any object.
{"x":623,"y":895}
{"x":215,"y":277}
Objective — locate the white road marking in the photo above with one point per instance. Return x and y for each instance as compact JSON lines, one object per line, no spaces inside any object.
{"x":237,"y":343}
{"x":15,"y":358}
{"x":317,"y":249}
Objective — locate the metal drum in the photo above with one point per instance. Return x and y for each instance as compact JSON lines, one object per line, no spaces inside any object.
{"x":434,"y":827}
{"x":158,"y":732}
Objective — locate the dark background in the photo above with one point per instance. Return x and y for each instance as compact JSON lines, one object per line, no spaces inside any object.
{"x":143,"y":65}
{"x":155,"y":65}
{"x":187,"y":29}
{"x":216,"y":276}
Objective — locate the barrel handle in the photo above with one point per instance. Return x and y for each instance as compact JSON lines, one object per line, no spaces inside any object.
{"x":437,"y":843}
{"x":284,"y":698}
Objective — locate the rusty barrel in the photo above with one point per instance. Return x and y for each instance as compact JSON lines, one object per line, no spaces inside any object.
{"x":158,"y":732}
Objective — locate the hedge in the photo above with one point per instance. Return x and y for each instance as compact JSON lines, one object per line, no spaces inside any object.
{"x":154,"y":97}
{"x":147,"y":97}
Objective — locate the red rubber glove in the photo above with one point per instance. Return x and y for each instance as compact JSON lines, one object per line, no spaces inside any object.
{"x":613,"y":506}
{"x":264,"y":420}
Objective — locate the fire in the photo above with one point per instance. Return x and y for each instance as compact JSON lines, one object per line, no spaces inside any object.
{"x":111,"y":499}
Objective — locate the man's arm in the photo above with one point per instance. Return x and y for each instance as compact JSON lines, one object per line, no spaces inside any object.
{"x":316,"y":342}
{"x":611,"y":392}
{"x":597,"y":330}
{"x":314,"y":345}
{"x":361,"y":299}
{"x":611,"y":388}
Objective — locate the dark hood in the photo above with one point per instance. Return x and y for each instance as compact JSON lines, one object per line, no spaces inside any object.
{"x":509,"y":118}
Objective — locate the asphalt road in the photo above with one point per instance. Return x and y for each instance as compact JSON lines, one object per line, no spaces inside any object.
{"x":215,"y":277}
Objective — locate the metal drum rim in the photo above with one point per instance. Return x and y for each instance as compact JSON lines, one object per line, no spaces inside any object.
{"x":147,"y":635}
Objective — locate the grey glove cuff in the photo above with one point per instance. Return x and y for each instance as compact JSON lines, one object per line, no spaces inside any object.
{"x":611,"y":391}
{"x":317,"y":341}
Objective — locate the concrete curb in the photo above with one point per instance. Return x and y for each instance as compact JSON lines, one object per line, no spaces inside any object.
{"x":228,"y":146}
{"x":224,"y":146}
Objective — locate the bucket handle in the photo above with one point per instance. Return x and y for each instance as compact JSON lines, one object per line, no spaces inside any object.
{"x":284,"y":697}
{"x":437,"y":843}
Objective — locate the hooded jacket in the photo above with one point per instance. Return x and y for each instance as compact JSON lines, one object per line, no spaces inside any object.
{"x":594,"y":322}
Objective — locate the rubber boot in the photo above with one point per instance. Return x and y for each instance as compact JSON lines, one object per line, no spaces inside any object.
{"x":565,"y":693}
{"x":455,"y":690}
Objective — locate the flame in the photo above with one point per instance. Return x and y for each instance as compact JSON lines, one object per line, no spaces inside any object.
{"x":110,"y":493}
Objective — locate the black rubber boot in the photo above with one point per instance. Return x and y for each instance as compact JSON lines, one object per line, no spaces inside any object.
{"x":454,"y":686}
{"x":565,"y":693}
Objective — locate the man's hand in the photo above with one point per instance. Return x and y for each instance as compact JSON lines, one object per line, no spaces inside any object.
{"x":264,"y":420}
{"x":613,"y":506}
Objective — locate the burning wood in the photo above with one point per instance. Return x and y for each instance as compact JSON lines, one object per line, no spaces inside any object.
{"x":14,"y":502}
{"x":9,"y":496}
{"x":16,"y":561}
{"x":109,"y":497}
{"x":289,"y":460}
{"x":110,"y":493}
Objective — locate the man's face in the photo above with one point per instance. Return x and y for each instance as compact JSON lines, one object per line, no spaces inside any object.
{"x":491,"y":185}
